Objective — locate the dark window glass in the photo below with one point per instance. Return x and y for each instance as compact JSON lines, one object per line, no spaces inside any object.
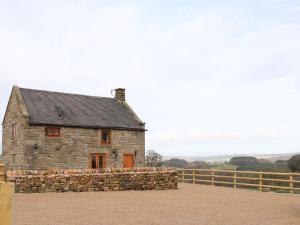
{"x":94,"y":166}
{"x":100,"y":161}
{"x":105,"y":136}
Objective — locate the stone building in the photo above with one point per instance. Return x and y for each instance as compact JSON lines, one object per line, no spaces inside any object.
{"x":43,"y":129}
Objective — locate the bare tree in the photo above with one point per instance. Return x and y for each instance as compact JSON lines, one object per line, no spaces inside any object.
{"x":153,"y":159}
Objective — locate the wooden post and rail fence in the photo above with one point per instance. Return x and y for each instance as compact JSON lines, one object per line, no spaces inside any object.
{"x":5,"y":199}
{"x":262,"y":181}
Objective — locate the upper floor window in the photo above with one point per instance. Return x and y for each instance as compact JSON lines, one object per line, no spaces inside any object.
{"x":14,"y":131}
{"x":105,"y":136}
{"x":52,"y":131}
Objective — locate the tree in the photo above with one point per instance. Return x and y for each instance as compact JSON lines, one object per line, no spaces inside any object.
{"x":243,"y":161}
{"x":281,"y":162}
{"x":153,"y":159}
{"x":175,"y":162}
{"x":294,"y":163}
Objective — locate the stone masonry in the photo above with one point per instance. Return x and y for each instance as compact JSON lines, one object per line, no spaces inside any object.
{"x":92,"y":180}
{"x":13,"y":150}
{"x":31,"y":149}
{"x":72,"y":148}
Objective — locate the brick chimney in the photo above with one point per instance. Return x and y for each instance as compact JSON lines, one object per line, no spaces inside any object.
{"x":120,"y":94}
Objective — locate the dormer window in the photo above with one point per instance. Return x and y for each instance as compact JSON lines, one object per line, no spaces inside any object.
{"x":52,"y":131}
{"x":105,"y":136}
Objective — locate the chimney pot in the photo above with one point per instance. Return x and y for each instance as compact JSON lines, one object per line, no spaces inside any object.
{"x":120,"y":94}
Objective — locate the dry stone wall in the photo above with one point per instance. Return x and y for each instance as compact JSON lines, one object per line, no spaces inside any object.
{"x":92,"y":180}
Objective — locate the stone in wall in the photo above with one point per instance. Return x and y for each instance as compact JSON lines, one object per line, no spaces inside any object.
{"x":93,"y":180}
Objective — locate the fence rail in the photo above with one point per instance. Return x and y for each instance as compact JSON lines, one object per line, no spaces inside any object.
{"x":251,"y":179}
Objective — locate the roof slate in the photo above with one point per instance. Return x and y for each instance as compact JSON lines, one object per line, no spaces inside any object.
{"x":63,"y":109}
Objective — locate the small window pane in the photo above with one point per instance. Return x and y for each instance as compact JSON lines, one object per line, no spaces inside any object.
{"x":100,"y":162}
{"x":52,"y":131}
{"x":94,"y":166}
{"x":105,"y":136}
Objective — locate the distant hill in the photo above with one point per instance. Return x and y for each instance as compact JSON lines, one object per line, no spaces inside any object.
{"x":226,"y":158}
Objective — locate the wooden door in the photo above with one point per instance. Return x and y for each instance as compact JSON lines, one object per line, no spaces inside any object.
{"x":97,"y":161}
{"x":128,"y":160}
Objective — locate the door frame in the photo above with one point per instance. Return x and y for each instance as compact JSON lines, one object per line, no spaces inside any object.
{"x":97,"y":160}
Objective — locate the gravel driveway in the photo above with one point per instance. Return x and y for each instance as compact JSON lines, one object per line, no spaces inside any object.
{"x":190,"y":204}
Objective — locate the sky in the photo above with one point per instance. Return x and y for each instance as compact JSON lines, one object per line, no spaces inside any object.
{"x":208,"y":77}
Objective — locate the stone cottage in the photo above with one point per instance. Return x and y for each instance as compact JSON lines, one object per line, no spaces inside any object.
{"x":43,"y":129}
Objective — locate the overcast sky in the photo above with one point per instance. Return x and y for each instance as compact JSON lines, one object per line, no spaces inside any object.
{"x":207,"y":77}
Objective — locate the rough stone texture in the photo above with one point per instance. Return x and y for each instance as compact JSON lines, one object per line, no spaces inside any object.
{"x":70,"y":150}
{"x":120,"y":94}
{"x":73,"y":147}
{"x":92,"y":180}
{"x":13,"y":150}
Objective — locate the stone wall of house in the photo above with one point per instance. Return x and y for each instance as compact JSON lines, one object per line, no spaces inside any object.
{"x":13,"y":149}
{"x":88,"y":180}
{"x":31,"y":149}
{"x":73,"y":147}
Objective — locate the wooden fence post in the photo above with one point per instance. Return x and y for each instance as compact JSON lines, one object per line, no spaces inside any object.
{"x":2,"y":172}
{"x":260,"y":181}
{"x":234,"y":179}
{"x":291,"y":184}
{"x":182,"y":174}
{"x":5,"y":203}
{"x":212,"y":178}
{"x":193,"y":176}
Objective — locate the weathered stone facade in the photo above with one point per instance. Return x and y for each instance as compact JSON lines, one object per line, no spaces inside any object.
{"x":32,"y":149}
{"x":82,"y":181}
{"x":73,"y":147}
{"x":13,"y":149}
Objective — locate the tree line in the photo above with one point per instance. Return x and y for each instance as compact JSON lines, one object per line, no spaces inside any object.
{"x":154,"y":159}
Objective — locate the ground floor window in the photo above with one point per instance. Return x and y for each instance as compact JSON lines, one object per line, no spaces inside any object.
{"x":97,"y":161}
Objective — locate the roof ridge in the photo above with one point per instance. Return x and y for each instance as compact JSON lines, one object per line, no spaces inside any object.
{"x":66,"y":93}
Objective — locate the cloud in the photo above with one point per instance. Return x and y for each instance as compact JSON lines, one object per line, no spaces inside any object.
{"x":205,"y":79}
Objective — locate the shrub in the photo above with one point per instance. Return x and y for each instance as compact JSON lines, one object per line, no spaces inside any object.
{"x":294,"y":163}
{"x":243,"y":161}
{"x":175,"y":162}
{"x":281,"y":162}
{"x":268,"y":167}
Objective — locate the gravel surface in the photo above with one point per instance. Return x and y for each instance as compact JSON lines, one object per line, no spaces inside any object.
{"x":190,"y":204}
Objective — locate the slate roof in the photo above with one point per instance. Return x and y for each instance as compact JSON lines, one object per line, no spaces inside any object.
{"x":62,"y":109}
